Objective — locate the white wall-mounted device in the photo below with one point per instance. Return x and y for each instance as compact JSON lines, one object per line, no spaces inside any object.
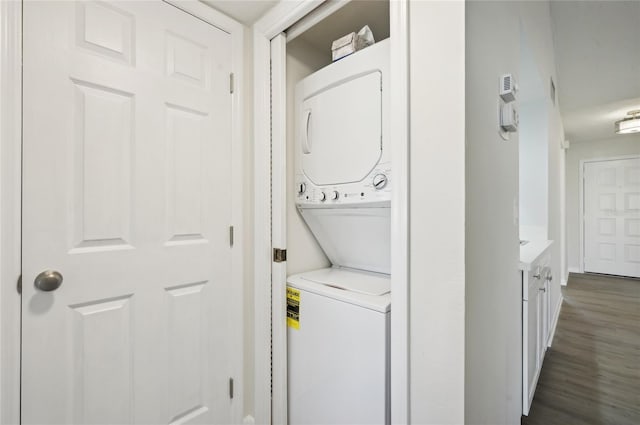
{"x":509,"y":117}
{"x":507,"y":110}
{"x":508,"y":88}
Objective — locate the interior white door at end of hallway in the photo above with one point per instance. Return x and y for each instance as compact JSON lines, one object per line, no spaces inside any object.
{"x":612,"y":217}
{"x":127,"y":130}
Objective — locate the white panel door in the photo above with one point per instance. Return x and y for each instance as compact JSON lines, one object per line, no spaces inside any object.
{"x":127,"y":161}
{"x":612,"y":217}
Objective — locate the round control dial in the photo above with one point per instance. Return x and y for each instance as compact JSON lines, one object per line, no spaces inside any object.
{"x":302,"y":188}
{"x":335,"y":195}
{"x":323,"y":196}
{"x":379,"y":181}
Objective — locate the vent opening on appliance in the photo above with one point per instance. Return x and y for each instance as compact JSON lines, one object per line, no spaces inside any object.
{"x":507,"y":83}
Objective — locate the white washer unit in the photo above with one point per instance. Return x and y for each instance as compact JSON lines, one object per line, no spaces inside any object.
{"x":339,"y":349}
{"x":339,"y":355}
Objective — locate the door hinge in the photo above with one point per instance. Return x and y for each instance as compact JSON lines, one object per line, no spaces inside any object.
{"x":19,"y":285}
{"x":230,"y":235}
{"x":231,"y":388}
{"x":231,"y":83}
{"x":279,"y":255}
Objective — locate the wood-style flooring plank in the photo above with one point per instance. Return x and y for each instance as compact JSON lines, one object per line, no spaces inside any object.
{"x":591,"y":374}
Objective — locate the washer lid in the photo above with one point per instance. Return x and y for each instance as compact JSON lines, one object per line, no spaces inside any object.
{"x":359,"y":282}
{"x":323,"y":282}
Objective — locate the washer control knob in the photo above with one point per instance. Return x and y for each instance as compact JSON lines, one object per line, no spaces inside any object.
{"x":323,"y":196}
{"x":379,"y":181}
{"x":302,"y":188}
{"x":335,"y":195}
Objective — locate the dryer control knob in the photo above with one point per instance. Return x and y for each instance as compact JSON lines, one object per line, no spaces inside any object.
{"x":335,"y":195}
{"x":323,"y":196}
{"x":302,"y":188}
{"x":379,"y":181}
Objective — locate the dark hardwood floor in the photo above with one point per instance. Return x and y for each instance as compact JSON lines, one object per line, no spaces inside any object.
{"x":591,"y":374}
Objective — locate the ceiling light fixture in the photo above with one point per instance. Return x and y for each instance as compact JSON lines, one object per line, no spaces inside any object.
{"x":630,"y":124}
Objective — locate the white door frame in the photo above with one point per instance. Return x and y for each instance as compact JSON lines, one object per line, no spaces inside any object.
{"x":271,"y":407}
{"x":10,"y":207}
{"x":11,"y":197}
{"x":583,"y":162}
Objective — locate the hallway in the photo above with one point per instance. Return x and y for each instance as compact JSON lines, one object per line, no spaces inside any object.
{"x":591,"y":375}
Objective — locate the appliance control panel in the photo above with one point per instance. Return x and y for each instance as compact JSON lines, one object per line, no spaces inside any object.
{"x":373,"y":188}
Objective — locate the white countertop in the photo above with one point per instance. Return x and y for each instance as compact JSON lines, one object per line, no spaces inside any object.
{"x":530,"y":252}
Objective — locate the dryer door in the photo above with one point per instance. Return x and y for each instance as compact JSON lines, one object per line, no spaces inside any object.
{"x":340,"y":130}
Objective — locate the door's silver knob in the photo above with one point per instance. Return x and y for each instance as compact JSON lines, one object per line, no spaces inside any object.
{"x":48,"y":280}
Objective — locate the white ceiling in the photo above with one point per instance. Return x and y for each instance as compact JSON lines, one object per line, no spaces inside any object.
{"x":598,"y":64}
{"x":245,"y":11}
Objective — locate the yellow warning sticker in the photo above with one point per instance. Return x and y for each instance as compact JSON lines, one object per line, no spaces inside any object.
{"x":293,"y":308}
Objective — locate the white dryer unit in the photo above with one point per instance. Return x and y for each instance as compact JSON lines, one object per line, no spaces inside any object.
{"x":342,"y":132}
{"x":338,"y":364}
{"x":342,"y":162}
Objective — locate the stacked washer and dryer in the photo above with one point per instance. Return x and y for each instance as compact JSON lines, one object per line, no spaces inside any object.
{"x":338,"y":350}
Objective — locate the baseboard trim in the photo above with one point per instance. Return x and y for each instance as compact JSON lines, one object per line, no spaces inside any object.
{"x":555,"y":320}
{"x":565,"y":278}
{"x":574,"y":270}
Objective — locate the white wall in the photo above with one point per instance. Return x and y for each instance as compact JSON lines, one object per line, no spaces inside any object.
{"x":436,"y":193}
{"x":536,"y":23}
{"x":616,"y":146}
{"x":557,"y":218}
{"x":493,"y":291}
{"x":493,"y":295}
{"x":533,"y":146}
{"x":303,"y":251}
{"x":534,"y":169}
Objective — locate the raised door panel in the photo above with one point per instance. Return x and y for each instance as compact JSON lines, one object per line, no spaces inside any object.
{"x":102,"y":149}
{"x":185,"y":183}
{"x":187,"y":352}
{"x":106,"y":30}
{"x":102,"y":355}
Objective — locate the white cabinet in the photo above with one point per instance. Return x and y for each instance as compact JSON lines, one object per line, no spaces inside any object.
{"x":530,"y":340}
{"x":535,"y":325}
